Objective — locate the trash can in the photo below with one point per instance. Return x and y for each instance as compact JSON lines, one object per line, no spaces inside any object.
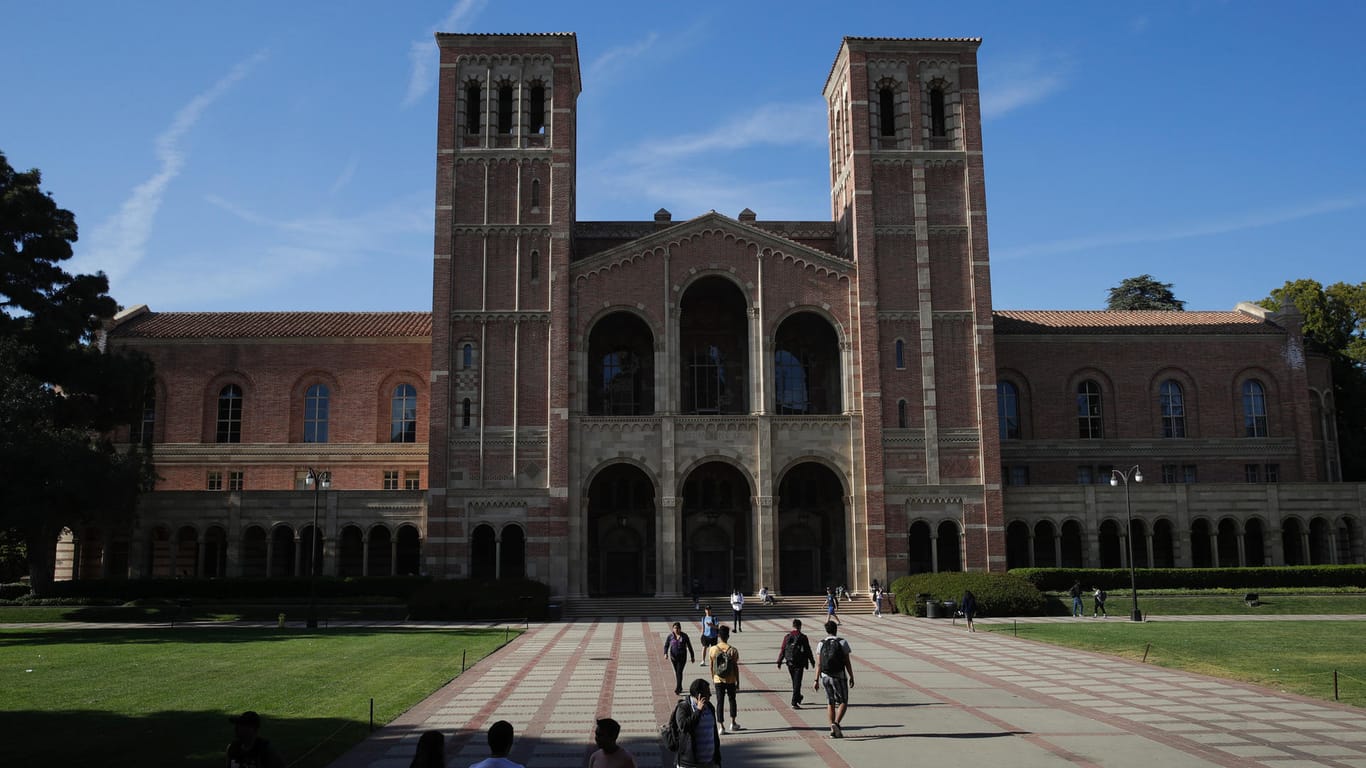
{"x":552,"y":612}
{"x":932,"y":609}
{"x":950,"y":609}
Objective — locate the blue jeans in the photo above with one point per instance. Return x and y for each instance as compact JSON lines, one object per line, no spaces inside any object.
{"x":1077,"y":610}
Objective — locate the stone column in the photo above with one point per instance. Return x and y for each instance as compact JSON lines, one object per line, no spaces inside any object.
{"x":1242,"y":551}
{"x":668,"y":577}
{"x":1031,"y":548}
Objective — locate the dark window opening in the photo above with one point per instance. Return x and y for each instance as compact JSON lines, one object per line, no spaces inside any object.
{"x":1089,"y":423}
{"x":1008,"y":410}
{"x":536,"y":118}
{"x":403,"y":414}
{"x":465,"y":413}
{"x":229,"y":415}
{"x":535,"y":193}
{"x":901,"y":414}
{"x":473,"y":99}
{"x":938,"y":124}
{"x":505,"y":109}
{"x":887,"y":112}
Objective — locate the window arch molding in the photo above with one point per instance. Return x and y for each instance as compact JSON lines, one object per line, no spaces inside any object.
{"x":1107,"y":400}
{"x":467,"y":354}
{"x":209,"y":426}
{"x":838,"y":375}
{"x":384,"y":404}
{"x":1271,"y":398}
{"x":830,"y":462}
{"x":156,"y":389}
{"x":623,"y":315}
{"x":1025,"y":394}
{"x":299,"y":391}
{"x":1155,"y":409}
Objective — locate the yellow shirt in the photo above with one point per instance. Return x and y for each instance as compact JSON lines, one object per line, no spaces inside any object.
{"x":724,"y":647}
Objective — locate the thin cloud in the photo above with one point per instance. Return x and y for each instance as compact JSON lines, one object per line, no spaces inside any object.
{"x":423,"y":55}
{"x":1239,"y":223}
{"x":619,"y":57}
{"x":344,"y":177}
{"x":1022,"y":83}
{"x":767,"y":125}
{"x":120,"y":242}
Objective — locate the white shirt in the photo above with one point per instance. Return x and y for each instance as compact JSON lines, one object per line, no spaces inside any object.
{"x":737,"y":601}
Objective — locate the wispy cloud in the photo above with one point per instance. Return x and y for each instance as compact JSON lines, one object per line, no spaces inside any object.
{"x":619,"y":57}
{"x":1222,"y":226}
{"x":423,"y":55}
{"x":1023,"y":82}
{"x":120,"y":242}
{"x":344,"y":177}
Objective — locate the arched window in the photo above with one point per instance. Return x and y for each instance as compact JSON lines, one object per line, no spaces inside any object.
{"x":505,"y":108}
{"x":535,"y":265}
{"x":229,"y":414}
{"x":535,"y":193}
{"x":403,"y":414}
{"x":886,"y":104}
{"x":143,"y":431}
{"x":1089,"y":423}
{"x":1173,"y":409}
{"x":473,"y":107}
{"x":467,"y":356}
{"x":1254,"y":409}
{"x":465,"y":413}
{"x":901,"y":414}
{"x":1008,"y":410}
{"x":536,"y":110}
{"x":938,"y":120}
{"x":900,"y":354}
{"x":316,"y":408}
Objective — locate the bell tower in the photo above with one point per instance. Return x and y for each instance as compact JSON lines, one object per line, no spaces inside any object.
{"x":909,"y":205}
{"x":505,"y":169}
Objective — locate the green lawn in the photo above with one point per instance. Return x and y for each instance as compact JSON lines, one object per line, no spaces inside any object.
{"x":1230,"y":604}
{"x":1293,"y":656}
{"x":160,"y":697}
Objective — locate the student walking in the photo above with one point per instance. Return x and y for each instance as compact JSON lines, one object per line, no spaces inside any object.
{"x":737,"y":607}
{"x":694,"y":725}
{"x":1074,"y":592}
{"x":796,"y":654}
{"x":610,"y":754}
{"x":877,"y":599}
{"x":835,"y":673}
{"x":708,"y":634}
{"x":725,"y":674}
{"x":678,"y":650}
{"x":832,"y":606}
{"x":969,"y":608}
{"x":500,"y":745}
{"x":1099,"y":596}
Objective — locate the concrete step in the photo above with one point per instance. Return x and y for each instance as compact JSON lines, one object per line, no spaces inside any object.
{"x":681,"y":608}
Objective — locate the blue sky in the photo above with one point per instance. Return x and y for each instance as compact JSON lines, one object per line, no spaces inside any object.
{"x":280,"y":155}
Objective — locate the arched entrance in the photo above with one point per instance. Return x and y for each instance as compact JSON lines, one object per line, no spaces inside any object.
{"x":1017,"y":545}
{"x":483,"y":553}
{"x":949,"y":545}
{"x":919,"y":548}
{"x":714,"y":348}
{"x":512,"y":553}
{"x":716,"y":524}
{"x":621,"y":532}
{"x":1073,"y":553}
{"x":811,"y":538}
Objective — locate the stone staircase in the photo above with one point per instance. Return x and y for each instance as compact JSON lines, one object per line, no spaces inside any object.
{"x":805,"y":607}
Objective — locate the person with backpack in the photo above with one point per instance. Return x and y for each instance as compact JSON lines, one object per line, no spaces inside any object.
{"x":692,"y":733}
{"x":796,"y":654}
{"x":1099,"y":596}
{"x":835,"y":673}
{"x":708,"y":634}
{"x":678,"y":649}
{"x":968,"y":605}
{"x":725,"y":674}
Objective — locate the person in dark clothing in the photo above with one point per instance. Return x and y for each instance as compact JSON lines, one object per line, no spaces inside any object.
{"x":969,"y":608}
{"x":431,"y":751}
{"x":1075,"y":593}
{"x":796,"y":654}
{"x":699,"y":742}
{"x":678,"y":650}
{"x":248,"y":749}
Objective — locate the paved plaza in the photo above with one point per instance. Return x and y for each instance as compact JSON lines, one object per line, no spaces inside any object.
{"x":927,"y":693}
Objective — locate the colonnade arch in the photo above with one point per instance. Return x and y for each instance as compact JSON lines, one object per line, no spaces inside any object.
{"x":812,"y":541}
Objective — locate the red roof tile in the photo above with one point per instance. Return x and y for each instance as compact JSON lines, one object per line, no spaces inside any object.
{"x":274,"y":325}
{"x":1128,"y":321}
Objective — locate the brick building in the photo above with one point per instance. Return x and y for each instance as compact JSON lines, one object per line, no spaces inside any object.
{"x":623,"y":407}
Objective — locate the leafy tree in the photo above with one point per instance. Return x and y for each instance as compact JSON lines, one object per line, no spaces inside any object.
{"x":1144,"y":292}
{"x":1335,"y":319}
{"x":61,"y":395}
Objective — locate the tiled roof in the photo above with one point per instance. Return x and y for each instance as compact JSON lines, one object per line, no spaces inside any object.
{"x":274,"y":325}
{"x":1128,"y":321}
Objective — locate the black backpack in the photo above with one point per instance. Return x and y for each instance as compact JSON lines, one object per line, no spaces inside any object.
{"x":832,"y":656}
{"x":792,"y":652}
{"x":723,"y":663}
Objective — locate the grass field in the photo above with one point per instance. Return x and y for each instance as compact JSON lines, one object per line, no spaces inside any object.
{"x":1230,"y":604}
{"x":1294,"y":656}
{"x":161,"y":697}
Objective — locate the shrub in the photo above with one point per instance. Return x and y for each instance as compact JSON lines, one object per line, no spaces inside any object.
{"x":13,"y":591}
{"x":457,"y":599}
{"x":998,"y":594}
{"x":330,"y":588}
{"x":1059,"y":579}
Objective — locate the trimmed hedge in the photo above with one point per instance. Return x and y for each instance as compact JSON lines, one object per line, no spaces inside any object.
{"x":13,"y":591}
{"x":399,"y":588}
{"x":1111,"y":579}
{"x":458,"y":599}
{"x":998,"y":594}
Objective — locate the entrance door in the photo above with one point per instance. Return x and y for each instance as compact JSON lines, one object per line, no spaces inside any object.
{"x":621,"y":573}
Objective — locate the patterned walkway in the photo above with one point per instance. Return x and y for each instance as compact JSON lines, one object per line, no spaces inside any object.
{"x":927,"y":693}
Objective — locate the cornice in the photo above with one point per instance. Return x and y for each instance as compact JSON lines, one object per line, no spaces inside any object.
{"x":504,"y":316}
{"x":935,"y":158}
{"x":1208,"y":449}
{"x":287,"y":453}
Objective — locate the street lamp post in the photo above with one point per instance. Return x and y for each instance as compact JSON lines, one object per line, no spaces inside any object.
{"x":1136,"y":475}
{"x":318,"y":481}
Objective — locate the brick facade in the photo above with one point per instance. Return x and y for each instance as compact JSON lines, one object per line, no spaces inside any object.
{"x":635,"y":406}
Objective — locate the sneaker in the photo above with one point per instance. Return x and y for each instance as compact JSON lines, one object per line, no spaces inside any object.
{"x":796,"y":705}
{"x":832,"y":731}
{"x":839,"y":733}
{"x":723,"y":727}
{"x":734,"y":726}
